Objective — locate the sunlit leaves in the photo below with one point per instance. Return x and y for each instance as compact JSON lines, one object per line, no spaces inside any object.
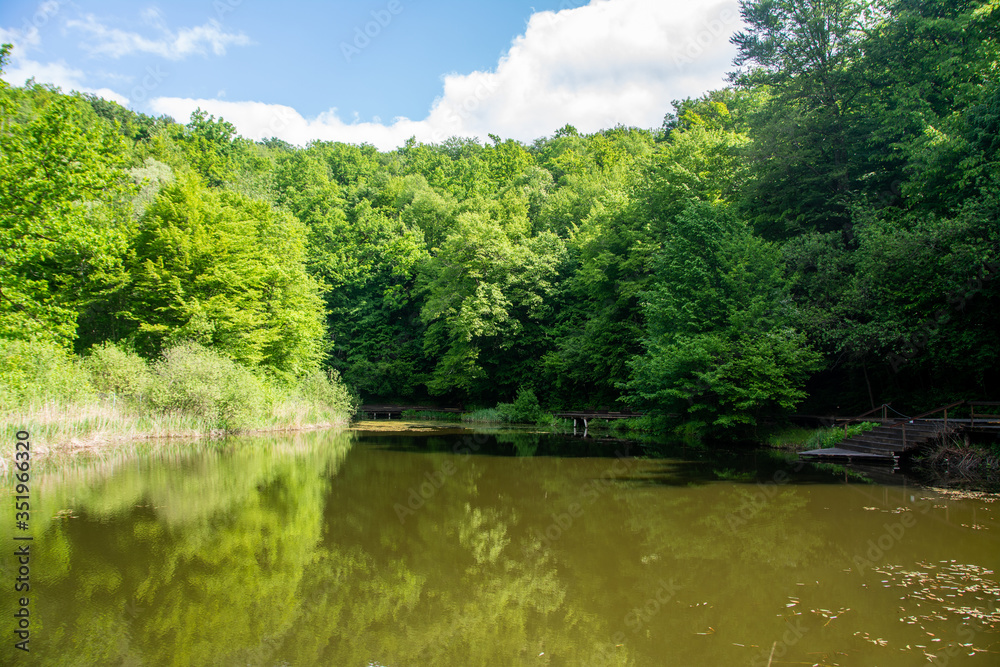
{"x":227,"y":272}
{"x":63,"y":222}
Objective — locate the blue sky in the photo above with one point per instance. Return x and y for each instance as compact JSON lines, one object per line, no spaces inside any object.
{"x":384,"y":70}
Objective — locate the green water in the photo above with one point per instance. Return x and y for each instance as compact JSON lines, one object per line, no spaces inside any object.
{"x":451,"y":548}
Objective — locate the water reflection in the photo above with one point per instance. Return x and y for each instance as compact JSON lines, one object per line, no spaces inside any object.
{"x":445,"y":548}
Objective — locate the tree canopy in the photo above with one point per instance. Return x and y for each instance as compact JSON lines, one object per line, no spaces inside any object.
{"x":823,"y":231}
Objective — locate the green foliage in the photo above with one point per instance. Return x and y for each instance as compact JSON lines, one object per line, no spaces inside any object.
{"x":118,"y":371}
{"x":227,"y":272}
{"x":722,"y":350}
{"x":485,"y":416}
{"x":325,"y":390}
{"x":209,"y":146}
{"x":36,"y":372}
{"x":431,"y":415}
{"x":831,"y":437}
{"x":788,"y":437}
{"x":193,"y":380}
{"x":150,"y":177}
{"x":841,"y":197}
{"x":63,"y":224}
{"x":484,"y":293}
{"x":524,"y":410}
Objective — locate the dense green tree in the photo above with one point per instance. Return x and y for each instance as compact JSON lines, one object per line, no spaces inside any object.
{"x":859,"y":138}
{"x":484,"y":290}
{"x":64,"y":222}
{"x":805,"y":156}
{"x":225,"y":271}
{"x":722,"y":349}
{"x":925,"y":70}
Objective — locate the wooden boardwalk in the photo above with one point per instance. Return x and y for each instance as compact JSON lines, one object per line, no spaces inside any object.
{"x":897,"y":438}
{"x":587,"y":416}
{"x":396,"y":411}
{"x":886,"y":443}
{"x":371,"y":411}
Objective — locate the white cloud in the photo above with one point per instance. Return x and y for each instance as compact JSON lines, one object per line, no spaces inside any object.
{"x":22,"y":40}
{"x":256,"y":120}
{"x":607,"y":63}
{"x":27,"y":37}
{"x":172,"y":45}
{"x":57,"y":73}
{"x":610,"y":62}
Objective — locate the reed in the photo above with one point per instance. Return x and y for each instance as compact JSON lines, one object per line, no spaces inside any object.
{"x":113,"y":397}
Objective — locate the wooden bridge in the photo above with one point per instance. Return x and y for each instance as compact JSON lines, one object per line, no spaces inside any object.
{"x":895,"y":438}
{"x":396,"y":411}
{"x":589,"y":415}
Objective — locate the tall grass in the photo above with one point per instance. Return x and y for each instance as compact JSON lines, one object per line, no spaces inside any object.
{"x":799,"y":438}
{"x":432,"y":415}
{"x":524,"y":410}
{"x":485,"y":416}
{"x":113,"y":395}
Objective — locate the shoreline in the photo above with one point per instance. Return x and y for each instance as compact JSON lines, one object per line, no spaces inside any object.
{"x":99,"y":442}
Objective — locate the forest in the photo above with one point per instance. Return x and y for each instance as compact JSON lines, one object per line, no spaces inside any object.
{"x":820,"y":235}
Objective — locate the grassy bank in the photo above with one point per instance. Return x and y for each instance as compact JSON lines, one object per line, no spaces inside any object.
{"x":798,"y":439}
{"x":69,"y":403}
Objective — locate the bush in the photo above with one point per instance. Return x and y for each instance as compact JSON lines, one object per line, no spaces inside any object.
{"x":327,"y":391}
{"x":38,"y":372}
{"x":524,"y":410}
{"x":118,"y":371}
{"x":193,"y":380}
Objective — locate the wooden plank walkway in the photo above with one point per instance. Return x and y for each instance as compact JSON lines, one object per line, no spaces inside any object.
{"x":887,"y":442}
{"x":587,"y":415}
{"x":396,"y":411}
{"x":897,"y":438}
{"x":839,"y":454}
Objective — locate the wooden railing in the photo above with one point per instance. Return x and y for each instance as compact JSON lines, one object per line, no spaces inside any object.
{"x":902,"y":423}
{"x":884,"y":408}
{"x":982,"y":415}
{"x":860,"y":418}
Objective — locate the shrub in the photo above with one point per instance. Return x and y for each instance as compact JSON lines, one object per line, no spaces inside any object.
{"x":118,"y":371}
{"x":39,"y":371}
{"x":193,"y":380}
{"x":327,"y":391}
{"x":524,"y":410}
{"x":432,"y":415}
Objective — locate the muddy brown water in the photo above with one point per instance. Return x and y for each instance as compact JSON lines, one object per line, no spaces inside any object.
{"x":442,"y":546}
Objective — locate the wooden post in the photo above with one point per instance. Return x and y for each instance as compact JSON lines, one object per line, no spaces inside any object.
{"x":946,"y":419}
{"x":904,"y":435}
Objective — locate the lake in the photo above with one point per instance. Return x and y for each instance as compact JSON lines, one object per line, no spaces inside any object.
{"x":446,"y":546}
